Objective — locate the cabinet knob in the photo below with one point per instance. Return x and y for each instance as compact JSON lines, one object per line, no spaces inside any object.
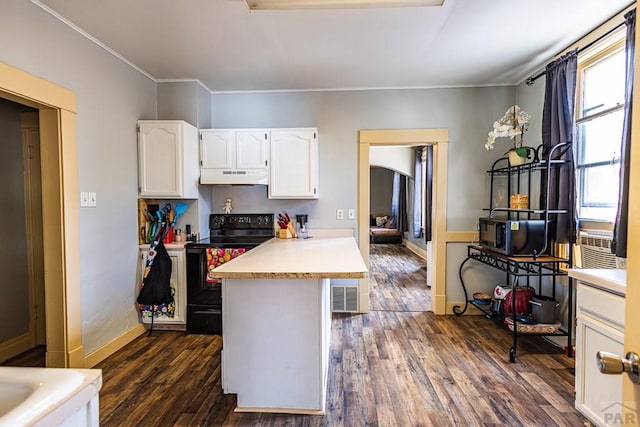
{"x":612,"y":364}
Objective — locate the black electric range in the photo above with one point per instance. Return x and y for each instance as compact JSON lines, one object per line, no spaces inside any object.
{"x":230,"y":235}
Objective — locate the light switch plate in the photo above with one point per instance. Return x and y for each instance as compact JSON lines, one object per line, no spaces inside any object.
{"x":351,"y":214}
{"x":87,"y":199}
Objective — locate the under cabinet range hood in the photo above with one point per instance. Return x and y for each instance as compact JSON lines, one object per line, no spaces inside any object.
{"x":234,"y":176}
{"x":234,"y":156}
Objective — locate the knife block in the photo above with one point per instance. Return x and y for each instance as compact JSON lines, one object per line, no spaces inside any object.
{"x":287,"y":233}
{"x":284,"y":233}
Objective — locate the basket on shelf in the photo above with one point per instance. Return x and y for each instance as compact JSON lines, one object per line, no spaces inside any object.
{"x":519,"y":201}
{"x":536,"y":328}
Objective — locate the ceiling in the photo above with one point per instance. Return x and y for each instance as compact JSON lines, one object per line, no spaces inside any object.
{"x":228,"y":48}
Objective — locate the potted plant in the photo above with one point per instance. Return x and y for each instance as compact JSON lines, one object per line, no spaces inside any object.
{"x":512,"y":125}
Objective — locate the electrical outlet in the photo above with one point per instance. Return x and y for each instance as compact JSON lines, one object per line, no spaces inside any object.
{"x":351,"y":214}
{"x":340,"y":214}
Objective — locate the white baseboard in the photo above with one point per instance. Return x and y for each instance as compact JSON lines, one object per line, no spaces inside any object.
{"x":97,"y":356}
{"x":421,"y":252}
{"x":15,"y":346}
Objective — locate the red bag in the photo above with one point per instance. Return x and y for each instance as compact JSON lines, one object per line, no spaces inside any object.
{"x":523,"y":295}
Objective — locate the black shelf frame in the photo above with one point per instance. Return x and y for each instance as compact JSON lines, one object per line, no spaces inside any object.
{"x":537,"y":265}
{"x":516,"y":268}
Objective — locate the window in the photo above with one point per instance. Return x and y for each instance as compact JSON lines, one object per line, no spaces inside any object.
{"x":599,"y":119}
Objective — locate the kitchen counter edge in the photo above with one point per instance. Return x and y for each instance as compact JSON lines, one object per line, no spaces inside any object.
{"x":612,"y":280}
{"x":298,"y":259}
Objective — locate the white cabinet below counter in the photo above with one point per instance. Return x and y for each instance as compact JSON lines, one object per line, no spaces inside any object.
{"x":234,"y":156}
{"x":178,"y":286}
{"x":599,"y":327}
{"x":167,"y":159}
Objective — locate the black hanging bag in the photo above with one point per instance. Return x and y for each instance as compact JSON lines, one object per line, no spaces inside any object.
{"x":156,"y":285}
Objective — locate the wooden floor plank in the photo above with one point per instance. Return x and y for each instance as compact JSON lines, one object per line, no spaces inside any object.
{"x":398,"y":365}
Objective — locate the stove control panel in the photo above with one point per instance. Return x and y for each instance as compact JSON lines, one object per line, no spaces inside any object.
{"x":241,"y":221}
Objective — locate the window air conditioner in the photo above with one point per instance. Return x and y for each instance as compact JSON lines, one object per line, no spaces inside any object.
{"x":595,"y":252}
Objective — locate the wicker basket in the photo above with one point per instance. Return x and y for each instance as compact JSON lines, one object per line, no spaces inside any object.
{"x":537,"y":328}
{"x":519,"y":201}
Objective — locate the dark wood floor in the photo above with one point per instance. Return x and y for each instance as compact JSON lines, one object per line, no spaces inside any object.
{"x":34,"y":358}
{"x":397,"y":279}
{"x":394,"y":366}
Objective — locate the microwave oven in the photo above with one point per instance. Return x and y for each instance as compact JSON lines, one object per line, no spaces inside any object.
{"x":513,"y":238}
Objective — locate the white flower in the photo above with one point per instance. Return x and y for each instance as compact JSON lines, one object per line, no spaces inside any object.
{"x":513,"y":123}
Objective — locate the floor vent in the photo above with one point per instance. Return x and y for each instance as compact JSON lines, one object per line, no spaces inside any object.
{"x":595,"y":252}
{"x":344,"y":298}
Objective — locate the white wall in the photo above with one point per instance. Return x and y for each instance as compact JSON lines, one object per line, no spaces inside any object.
{"x":400,"y":159}
{"x":111,"y":96}
{"x":468,"y":113}
{"x":185,"y":100}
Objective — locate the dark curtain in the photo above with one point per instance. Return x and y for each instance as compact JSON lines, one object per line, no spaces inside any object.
{"x":417,"y":194}
{"x":399,"y":202}
{"x":619,"y":244}
{"x":428,"y":203}
{"x":557,"y":128}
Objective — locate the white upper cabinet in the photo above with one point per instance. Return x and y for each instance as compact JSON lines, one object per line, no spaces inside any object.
{"x":231,"y":156}
{"x":252,"y":149}
{"x":167,"y":159}
{"x":294,"y":164}
{"x":217,"y":149}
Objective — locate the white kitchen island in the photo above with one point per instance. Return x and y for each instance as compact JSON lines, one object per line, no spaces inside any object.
{"x":277,"y":321}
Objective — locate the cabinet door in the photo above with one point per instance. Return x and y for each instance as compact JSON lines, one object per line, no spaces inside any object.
{"x":217,"y":149}
{"x":252,"y":149}
{"x":596,"y":392}
{"x":178,"y":284}
{"x":599,"y":327}
{"x":160,"y":160}
{"x":294,"y":164}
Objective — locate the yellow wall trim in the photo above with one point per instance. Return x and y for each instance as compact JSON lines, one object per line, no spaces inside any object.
{"x":23,"y":87}
{"x":403,"y":136}
{"x":60,"y":244}
{"x":461,"y":236}
{"x":439,"y":138}
{"x":97,"y":356}
{"x":421,"y":252}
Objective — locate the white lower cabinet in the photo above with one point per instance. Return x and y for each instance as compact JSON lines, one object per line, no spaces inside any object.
{"x":179,"y":287}
{"x":600,"y":327}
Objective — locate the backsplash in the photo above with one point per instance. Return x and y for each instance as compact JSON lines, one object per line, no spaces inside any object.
{"x":253,"y":199}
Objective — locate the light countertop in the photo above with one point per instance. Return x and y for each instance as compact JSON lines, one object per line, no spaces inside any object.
{"x":612,"y":280}
{"x":313,"y":258}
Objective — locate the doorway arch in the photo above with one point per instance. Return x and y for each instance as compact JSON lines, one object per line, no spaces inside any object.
{"x":60,"y":211}
{"x":439,"y":138}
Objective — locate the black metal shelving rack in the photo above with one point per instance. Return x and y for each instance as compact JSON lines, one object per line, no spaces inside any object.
{"x":538,"y":264}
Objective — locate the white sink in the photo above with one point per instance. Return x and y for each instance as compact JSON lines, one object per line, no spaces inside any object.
{"x":28,"y":395}
{"x":11,"y":395}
